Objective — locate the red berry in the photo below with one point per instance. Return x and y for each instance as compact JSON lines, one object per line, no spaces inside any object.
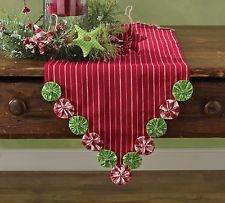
{"x":26,"y":9}
{"x":29,"y":26}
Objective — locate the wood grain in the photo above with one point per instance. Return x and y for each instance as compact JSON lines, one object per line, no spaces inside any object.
{"x":95,"y":187}
{"x":193,"y":122}
{"x":203,"y":48}
{"x":39,"y":121}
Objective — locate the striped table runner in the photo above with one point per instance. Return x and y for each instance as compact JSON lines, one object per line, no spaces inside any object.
{"x":120,"y":96}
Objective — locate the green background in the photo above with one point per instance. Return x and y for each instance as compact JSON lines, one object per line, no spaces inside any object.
{"x":162,"y":12}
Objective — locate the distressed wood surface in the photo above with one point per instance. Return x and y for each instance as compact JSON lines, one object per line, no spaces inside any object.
{"x":203,"y":48}
{"x":95,"y":187}
{"x":196,"y":119}
{"x":38,"y":121}
{"x":201,"y":117}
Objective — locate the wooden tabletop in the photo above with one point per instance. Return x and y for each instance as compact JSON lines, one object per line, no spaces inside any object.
{"x":203,"y":48}
{"x":86,"y":187}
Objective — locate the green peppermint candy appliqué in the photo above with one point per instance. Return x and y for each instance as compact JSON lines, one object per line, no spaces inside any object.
{"x":182,"y":90}
{"x":78,"y":125}
{"x":132,"y":159}
{"x":156,"y":127}
{"x":107,"y":158}
{"x":51,"y":91}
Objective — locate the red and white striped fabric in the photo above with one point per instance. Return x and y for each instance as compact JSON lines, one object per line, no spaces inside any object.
{"x":120,"y":96}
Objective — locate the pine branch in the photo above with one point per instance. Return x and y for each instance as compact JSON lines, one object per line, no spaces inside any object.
{"x":101,"y":13}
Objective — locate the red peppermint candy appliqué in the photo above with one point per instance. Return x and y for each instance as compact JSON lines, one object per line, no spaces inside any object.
{"x":169,"y":109}
{"x":144,"y":145}
{"x":64,"y":109}
{"x":120,"y":174}
{"x":92,"y":141}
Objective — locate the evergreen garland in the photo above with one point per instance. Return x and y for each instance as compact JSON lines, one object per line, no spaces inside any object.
{"x":14,"y":30}
{"x":13,"y":33}
{"x":102,"y":12}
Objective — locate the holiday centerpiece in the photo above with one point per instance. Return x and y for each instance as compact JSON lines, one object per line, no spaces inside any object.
{"x":116,"y":84}
{"x":22,"y":38}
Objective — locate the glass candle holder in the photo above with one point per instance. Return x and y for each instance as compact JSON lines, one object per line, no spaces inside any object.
{"x":64,"y":8}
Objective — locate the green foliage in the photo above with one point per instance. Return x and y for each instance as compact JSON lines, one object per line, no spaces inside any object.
{"x":15,"y":31}
{"x":105,"y":40}
{"x":60,"y":49}
{"x":101,"y":13}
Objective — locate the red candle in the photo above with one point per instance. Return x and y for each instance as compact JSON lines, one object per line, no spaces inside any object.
{"x":52,"y":7}
{"x":73,"y":6}
{"x":82,"y":7}
{"x":61,"y":8}
{"x":67,"y":7}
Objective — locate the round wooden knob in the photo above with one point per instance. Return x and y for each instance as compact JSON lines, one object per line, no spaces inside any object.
{"x":17,"y":107}
{"x":213,"y":108}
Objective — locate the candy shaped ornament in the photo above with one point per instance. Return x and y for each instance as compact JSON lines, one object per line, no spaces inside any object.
{"x":64,"y":109}
{"x":144,"y":145}
{"x":51,"y":91}
{"x":120,"y":174}
{"x":169,"y":109}
{"x":92,"y":141}
{"x":78,"y":125}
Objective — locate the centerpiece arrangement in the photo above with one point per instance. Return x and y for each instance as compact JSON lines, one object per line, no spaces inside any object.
{"x":64,"y":22}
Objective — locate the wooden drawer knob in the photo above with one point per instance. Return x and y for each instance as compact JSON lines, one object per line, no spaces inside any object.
{"x":17,"y":107}
{"x":213,"y":108}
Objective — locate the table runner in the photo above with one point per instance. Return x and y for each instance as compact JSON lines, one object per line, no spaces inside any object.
{"x":120,"y":96}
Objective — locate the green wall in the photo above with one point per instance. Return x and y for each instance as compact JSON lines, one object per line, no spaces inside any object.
{"x":179,"y":12}
{"x":162,"y":12}
{"x":76,"y":144}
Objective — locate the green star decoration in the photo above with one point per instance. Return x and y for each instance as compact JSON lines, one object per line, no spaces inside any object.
{"x":107,"y":158}
{"x":182,"y":90}
{"x":87,"y":40}
{"x":132,"y":159}
{"x":156,"y":127}
{"x":78,"y":125}
{"x":51,"y":91}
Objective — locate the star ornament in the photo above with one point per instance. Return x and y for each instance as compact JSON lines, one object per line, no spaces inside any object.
{"x":87,"y":40}
{"x":39,"y":40}
{"x":135,"y":38}
{"x":130,"y":39}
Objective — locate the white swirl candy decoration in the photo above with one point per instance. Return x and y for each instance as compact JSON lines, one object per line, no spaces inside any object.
{"x":92,"y":141}
{"x":120,"y":174}
{"x":64,"y":109}
{"x":169,"y":109}
{"x":144,"y":145}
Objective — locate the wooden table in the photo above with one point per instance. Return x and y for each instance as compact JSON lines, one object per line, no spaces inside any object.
{"x":94,"y":187}
{"x":24,"y":114}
